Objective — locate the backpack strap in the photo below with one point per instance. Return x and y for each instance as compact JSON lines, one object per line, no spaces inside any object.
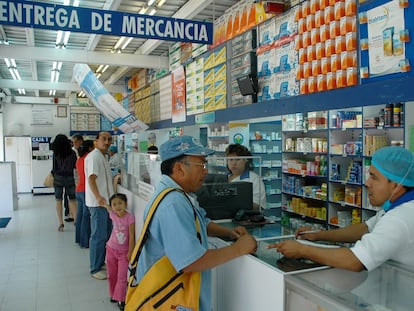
{"x":144,"y":232}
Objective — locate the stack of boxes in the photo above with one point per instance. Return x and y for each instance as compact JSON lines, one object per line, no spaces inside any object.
{"x":195,"y":87}
{"x":85,"y":119}
{"x":165,"y":97}
{"x":155,"y":100}
{"x":326,"y":43}
{"x":277,"y":58}
{"x":143,"y":104}
{"x":215,"y":79}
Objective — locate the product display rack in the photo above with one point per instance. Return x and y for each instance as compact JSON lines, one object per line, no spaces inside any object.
{"x":266,"y":143}
{"x":304,"y":174}
{"x":351,"y":138}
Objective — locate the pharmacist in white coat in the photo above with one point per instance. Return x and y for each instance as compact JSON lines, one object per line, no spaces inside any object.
{"x":240,"y":168}
{"x":387,"y":235}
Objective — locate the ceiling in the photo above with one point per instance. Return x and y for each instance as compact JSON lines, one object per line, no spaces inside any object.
{"x":34,"y":50}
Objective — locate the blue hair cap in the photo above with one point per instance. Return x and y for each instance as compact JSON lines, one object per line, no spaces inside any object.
{"x":396,"y":164}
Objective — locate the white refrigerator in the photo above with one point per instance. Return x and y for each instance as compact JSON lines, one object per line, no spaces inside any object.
{"x":18,"y":149}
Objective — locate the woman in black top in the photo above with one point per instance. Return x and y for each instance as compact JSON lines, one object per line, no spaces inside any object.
{"x":64,"y":163}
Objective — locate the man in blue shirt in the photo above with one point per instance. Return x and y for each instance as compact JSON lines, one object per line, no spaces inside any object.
{"x":172,"y":231}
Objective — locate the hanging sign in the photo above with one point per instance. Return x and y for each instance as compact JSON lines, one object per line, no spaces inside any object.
{"x":34,"y":14}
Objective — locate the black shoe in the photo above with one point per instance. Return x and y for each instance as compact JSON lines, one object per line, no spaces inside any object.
{"x":121,"y":305}
{"x":113,"y":300}
{"x":69,"y":219}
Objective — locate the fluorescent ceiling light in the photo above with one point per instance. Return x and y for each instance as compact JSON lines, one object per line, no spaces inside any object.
{"x":126,"y":43}
{"x":150,"y":2}
{"x":99,"y":68}
{"x":143,"y":10}
{"x":66,"y":38}
{"x":76,"y":3}
{"x":59,"y":37}
{"x":161,"y":2}
{"x":98,"y":75}
{"x":152,"y":11}
{"x":6,"y":60}
{"x":119,"y":43}
{"x":104,"y":69}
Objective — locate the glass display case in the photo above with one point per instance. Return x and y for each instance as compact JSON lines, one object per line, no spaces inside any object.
{"x":386,"y":288}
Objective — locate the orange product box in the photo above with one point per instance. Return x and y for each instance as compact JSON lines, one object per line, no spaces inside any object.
{"x":340,"y":44}
{"x":312,"y":84}
{"x":306,"y":39}
{"x":350,"y":41}
{"x":325,"y":65}
{"x":341,"y":78}
{"x":363,"y":17}
{"x":305,"y":8}
{"x":348,"y":59}
{"x":334,"y":29}
{"x":298,"y":14}
{"x":298,"y":42}
{"x":329,"y":47}
{"x":310,"y":22}
{"x":335,"y":62}
{"x":346,"y":24}
{"x":319,"y":18}
{"x":303,"y":86}
{"x":331,"y":80}
{"x":332,"y":2}
{"x":307,"y":70}
{"x":316,"y":67}
{"x":303,"y":56}
{"x":323,"y":4}
{"x":301,"y":25}
{"x":351,"y":76}
{"x":299,"y":72}
{"x":315,"y":36}
{"x":311,"y":53}
{"x":324,"y":33}
{"x":350,"y":7}
{"x":364,"y":72}
{"x":339,"y":10}
{"x":328,"y":15}
{"x":320,"y":50}
{"x":321,"y":83}
{"x":314,"y":6}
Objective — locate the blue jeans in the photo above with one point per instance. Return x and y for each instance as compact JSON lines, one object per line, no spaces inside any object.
{"x":83,"y":222}
{"x":101,"y":227}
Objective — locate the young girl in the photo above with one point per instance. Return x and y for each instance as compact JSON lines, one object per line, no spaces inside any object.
{"x":119,"y":247}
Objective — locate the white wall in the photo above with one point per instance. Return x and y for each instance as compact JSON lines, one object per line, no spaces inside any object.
{"x":17,"y":119}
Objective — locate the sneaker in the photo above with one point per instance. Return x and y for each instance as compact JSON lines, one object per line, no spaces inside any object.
{"x":69,"y":219}
{"x":103,"y":267}
{"x":121,"y":305}
{"x":100,"y":275}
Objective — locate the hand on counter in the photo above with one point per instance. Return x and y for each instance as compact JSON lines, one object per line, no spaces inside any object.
{"x":289,"y":248}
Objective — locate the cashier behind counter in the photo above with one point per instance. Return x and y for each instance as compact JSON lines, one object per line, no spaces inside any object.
{"x":389,"y":235}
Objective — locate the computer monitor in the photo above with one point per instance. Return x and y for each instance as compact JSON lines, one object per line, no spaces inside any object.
{"x":224,"y":200}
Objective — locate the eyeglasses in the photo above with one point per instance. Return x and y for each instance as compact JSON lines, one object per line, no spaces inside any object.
{"x":203,"y":164}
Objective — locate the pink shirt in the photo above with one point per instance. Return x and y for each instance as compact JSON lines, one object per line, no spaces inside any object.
{"x":119,"y":238}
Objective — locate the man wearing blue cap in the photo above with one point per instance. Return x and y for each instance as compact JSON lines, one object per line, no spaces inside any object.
{"x":387,"y":235}
{"x":172,"y":231}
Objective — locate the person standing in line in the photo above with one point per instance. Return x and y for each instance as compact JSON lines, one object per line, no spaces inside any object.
{"x":119,"y":247}
{"x":77,"y":141}
{"x":387,"y":235}
{"x":173,"y":232}
{"x":241,"y":170}
{"x":114,"y":160}
{"x":64,"y":161}
{"x":98,"y":190}
{"x":83,"y":222}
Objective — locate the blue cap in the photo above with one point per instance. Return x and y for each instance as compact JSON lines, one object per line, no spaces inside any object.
{"x":113,"y":149}
{"x":396,"y":164}
{"x":183,"y":145}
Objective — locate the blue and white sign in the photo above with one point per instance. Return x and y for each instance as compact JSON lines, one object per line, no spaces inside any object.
{"x":68,"y":18}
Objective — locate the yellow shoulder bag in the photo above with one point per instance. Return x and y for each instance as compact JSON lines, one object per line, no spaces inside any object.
{"x":162,"y":287}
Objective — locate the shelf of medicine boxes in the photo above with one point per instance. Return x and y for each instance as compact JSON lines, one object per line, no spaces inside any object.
{"x":218,"y":137}
{"x":266,"y":142}
{"x":355,"y":134}
{"x":304,"y":166}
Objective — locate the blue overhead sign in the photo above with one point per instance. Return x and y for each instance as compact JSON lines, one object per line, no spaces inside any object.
{"x":68,"y":18}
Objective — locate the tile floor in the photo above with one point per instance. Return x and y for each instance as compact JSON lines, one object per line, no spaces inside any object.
{"x":42,"y":269}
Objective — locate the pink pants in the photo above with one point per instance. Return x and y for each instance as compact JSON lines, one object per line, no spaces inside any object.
{"x":117,"y":269}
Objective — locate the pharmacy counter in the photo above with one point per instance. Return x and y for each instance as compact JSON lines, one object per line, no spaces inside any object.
{"x":389,"y":287}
